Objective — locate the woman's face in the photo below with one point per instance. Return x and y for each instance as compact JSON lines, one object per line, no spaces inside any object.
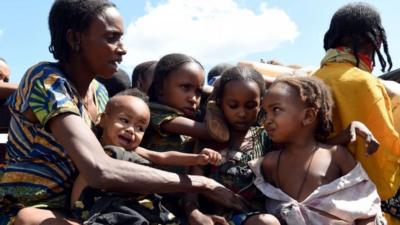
{"x":101,"y":48}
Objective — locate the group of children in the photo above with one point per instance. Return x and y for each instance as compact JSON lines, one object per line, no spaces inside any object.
{"x":287,"y":126}
{"x":272,"y":145}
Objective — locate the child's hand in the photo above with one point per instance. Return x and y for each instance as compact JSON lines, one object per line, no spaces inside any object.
{"x":357,"y":128}
{"x":209,"y":156}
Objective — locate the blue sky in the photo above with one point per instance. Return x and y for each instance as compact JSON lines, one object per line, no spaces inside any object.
{"x":212,"y":31}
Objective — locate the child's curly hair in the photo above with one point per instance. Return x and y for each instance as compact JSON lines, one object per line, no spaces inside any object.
{"x":314,"y":93}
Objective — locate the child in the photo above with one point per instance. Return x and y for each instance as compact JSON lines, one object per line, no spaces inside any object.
{"x":142,"y":75}
{"x":121,"y":129}
{"x":174,"y":99}
{"x":310,"y":182}
{"x":247,"y":142}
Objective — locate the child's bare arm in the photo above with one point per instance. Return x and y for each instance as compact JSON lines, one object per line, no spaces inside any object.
{"x":349,"y":135}
{"x":175,"y":158}
{"x":268,"y":167}
{"x":186,"y":126}
{"x":344,"y":159}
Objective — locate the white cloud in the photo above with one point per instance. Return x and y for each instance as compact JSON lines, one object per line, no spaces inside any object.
{"x":1,"y":32}
{"x":212,"y":31}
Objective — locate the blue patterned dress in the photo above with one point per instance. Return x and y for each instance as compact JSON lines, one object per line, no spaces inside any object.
{"x":38,"y":172}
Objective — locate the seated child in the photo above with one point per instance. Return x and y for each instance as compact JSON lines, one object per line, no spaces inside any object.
{"x":247,"y":142}
{"x":306,"y":181}
{"x":174,"y":100}
{"x":121,"y":129}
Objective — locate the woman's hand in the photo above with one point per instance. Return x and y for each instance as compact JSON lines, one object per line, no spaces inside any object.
{"x":225,"y":197}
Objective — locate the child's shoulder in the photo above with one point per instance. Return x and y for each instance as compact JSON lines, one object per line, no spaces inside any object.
{"x":270,"y":165}
{"x":340,"y":156}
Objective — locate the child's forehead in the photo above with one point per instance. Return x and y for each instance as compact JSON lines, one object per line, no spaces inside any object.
{"x":241,"y":86}
{"x":127,"y":101}
{"x":283,"y":91}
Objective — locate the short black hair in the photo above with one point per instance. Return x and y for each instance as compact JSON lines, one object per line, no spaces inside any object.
{"x":140,"y":70}
{"x":76,"y":15}
{"x":135,"y":92}
{"x":234,"y":73}
{"x":217,"y":70}
{"x":164,"y":67}
{"x":359,"y":22}
{"x":118,"y":82}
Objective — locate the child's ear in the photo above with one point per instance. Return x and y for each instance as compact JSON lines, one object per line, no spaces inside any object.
{"x":310,"y":115}
{"x":74,"y":40}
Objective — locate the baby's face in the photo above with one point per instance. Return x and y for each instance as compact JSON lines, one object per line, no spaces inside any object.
{"x":124,"y":122}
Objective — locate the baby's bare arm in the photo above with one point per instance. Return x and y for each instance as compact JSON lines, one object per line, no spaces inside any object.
{"x":175,"y":158}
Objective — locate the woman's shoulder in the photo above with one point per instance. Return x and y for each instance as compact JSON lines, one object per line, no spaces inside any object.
{"x":45,"y":72}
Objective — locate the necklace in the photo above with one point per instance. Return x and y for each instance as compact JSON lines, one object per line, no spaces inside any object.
{"x":305,"y":175}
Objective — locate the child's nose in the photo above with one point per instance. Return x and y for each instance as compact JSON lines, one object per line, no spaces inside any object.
{"x":130,"y":129}
{"x":241,"y":112}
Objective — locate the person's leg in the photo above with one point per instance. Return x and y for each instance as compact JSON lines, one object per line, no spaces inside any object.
{"x":261,"y":219}
{"x":34,"y":216}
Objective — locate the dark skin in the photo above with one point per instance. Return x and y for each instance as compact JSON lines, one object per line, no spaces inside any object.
{"x":305,"y":164}
{"x":100,"y":49}
{"x":240,"y":111}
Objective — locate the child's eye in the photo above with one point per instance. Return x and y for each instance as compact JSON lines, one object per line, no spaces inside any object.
{"x":234,"y":106}
{"x":185,"y":87}
{"x":140,"y":128}
{"x":199,"y":91}
{"x":251,"y":105}
{"x":276,"y":109}
{"x":123,"y":120}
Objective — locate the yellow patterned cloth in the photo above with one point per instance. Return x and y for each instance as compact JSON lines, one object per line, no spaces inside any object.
{"x":360,"y":96}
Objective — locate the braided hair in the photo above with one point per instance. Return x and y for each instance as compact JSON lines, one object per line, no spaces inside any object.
{"x":76,"y":15}
{"x":166,"y":65}
{"x":357,"y":23}
{"x":315,"y":94}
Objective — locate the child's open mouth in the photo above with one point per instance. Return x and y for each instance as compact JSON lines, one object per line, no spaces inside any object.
{"x":124,"y":139}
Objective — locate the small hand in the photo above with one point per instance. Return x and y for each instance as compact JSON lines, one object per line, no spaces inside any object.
{"x":209,"y":156}
{"x":357,"y":128}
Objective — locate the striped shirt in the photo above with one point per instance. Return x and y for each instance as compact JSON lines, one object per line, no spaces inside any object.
{"x":38,"y":171}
